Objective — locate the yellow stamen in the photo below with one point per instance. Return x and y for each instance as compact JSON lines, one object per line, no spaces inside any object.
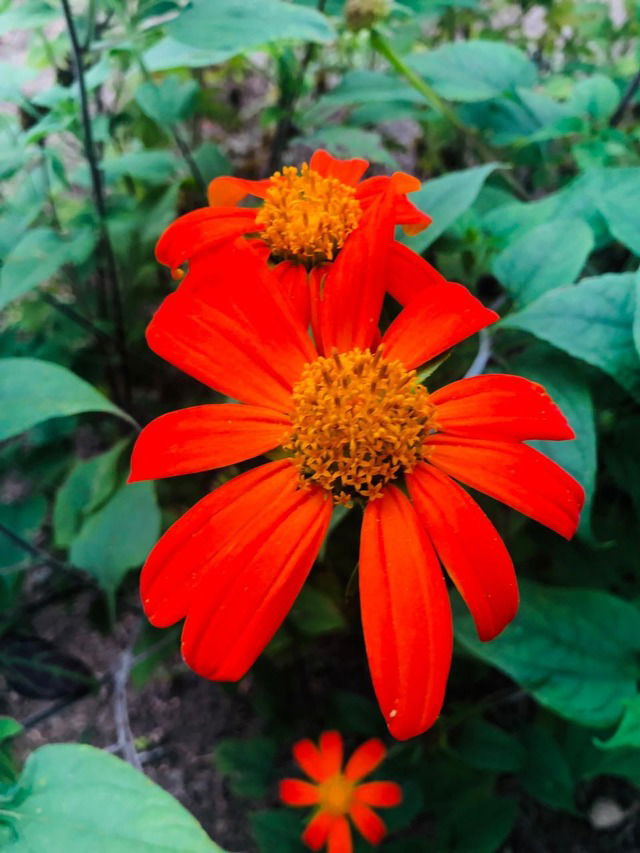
{"x":307,"y":217}
{"x":359,"y":422}
{"x":336,"y":795}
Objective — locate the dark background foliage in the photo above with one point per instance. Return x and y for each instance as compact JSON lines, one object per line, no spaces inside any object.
{"x":523,"y":121}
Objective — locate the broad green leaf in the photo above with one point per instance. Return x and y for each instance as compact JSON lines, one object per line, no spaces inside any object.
{"x":474,"y":70}
{"x":211,"y":161}
{"x":29,"y":15}
{"x":546,"y":257}
{"x":119,"y":536}
{"x":546,"y":775}
{"x":593,"y":321}
{"x":596,"y":96}
{"x":89,"y":484}
{"x":277,"y":829}
{"x":618,"y":203}
{"x":488,"y":747}
{"x":73,"y":798}
{"x":345,"y":141}
{"x":24,"y":518}
{"x":32,"y":391}
{"x":152,"y":167}
{"x":315,"y":613}
{"x":37,"y":257}
{"x":446,"y":198}
{"x":226,"y":26}
{"x":169,"y":101}
{"x":169,"y":53}
{"x":9,"y":728}
{"x":562,"y":649}
{"x":476,"y":822}
{"x":627,"y":735}
{"x":636,"y":317}
{"x":567,"y":386}
{"x":248,"y":764}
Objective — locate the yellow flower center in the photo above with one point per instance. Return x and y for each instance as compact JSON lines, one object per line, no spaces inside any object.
{"x":307,"y":217}
{"x":336,"y":794}
{"x":359,"y":422}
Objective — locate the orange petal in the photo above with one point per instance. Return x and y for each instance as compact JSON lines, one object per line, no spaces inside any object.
{"x":201,"y":230}
{"x":229,"y":191}
{"x":499,"y":406}
{"x":380,"y":794}
{"x":405,"y":615}
{"x":516,"y":474}
{"x":308,"y":756}
{"x":296,"y":792}
{"x":468,"y":546}
{"x":262,"y":559}
{"x":331,"y":751}
{"x":294,"y":284}
{"x":408,"y":274}
{"x":220,"y":522}
{"x":339,"y":840}
{"x":354,"y":287}
{"x":348,"y":172}
{"x":365,"y":759}
{"x":368,"y":823}
{"x":434,"y":320}
{"x":236,"y":334}
{"x":405,"y":213}
{"x":318,"y":829}
{"x":204,"y":437}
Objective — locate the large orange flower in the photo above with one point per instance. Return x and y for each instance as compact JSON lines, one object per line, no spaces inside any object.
{"x":340,"y":794}
{"x":313,"y":223}
{"x":352,"y":425}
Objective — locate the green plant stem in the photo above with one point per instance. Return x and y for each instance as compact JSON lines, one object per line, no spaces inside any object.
{"x":101,"y":208}
{"x":381,"y":46}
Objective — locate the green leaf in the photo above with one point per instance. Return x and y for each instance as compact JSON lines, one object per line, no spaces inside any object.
{"x":445,"y":199}
{"x":593,"y":321}
{"x":474,"y":70}
{"x":562,"y":649}
{"x":567,"y":386}
{"x":32,"y":391}
{"x":37,"y":257}
{"x":169,"y":101}
{"x":152,"y":167}
{"x":596,"y":97}
{"x":248,"y":764}
{"x":119,"y":536}
{"x":628,"y":732}
{"x":546,"y":775}
{"x":277,"y":829}
{"x":9,"y":728}
{"x":476,"y":822}
{"x":23,"y":518}
{"x":548,"y":256}
{"x":488,"y":747}
{"x":70,"y":793}
{"x":211,"y":161}
{"x":89,"y":484}
{"x":344,"y":141}
{"x":618,"y":203}
{"x":315,"y":613}
{"x":169,"y":53}
{"x":226,"y":26}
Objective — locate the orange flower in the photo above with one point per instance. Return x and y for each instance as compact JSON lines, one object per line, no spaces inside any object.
{"x":307,"y":228}
{"x":339,"y":794}
{"x":352,"y":425}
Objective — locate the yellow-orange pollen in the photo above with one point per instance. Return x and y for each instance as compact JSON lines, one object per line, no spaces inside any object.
{"x":307,"y":217}
{"x":359,"y":422}
{"x":336,"y":794}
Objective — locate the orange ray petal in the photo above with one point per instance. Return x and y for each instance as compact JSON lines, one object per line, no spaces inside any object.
{"x":308,"y":756}
{"x":204,"y":437}
{"x":221,"y":520}
{"x":380,"y":794}
{"x":227,"y":190}
{"x":200,"y":231}
{"x":515,"y":474}
{"x":365,"y":759}
{"x":368,"y":823}
{"x":239,"y":604}
{"x":408,"y":274}
{"x":339,"y":840}
{"x":294,"y":284}
{"x":469,"y":547}
{"x":317,"y":830}
{"x":405,"y":615}
{"x":331,"y":752}
{"x":499,"y":406}
{"x":433,"y":321}
{"x":296,"y":792}
{"x":347,"y":172}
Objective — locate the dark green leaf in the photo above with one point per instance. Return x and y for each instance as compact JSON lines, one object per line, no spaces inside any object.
{"x":628,"y":732}
{"x":169,"y":101}
{"x":277,"y":829}
{"x":315,"y":613}
{"x":546,"y":776}
{"x":488,"y":747}
{"x":562,"y":649}
{"x":247,"y":763}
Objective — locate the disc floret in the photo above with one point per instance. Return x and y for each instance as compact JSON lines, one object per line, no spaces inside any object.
{"x":307,"y":217}
{"x":359,"y":422}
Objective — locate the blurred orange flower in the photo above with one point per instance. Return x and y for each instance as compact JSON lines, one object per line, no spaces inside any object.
{"x":339,"y":794}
